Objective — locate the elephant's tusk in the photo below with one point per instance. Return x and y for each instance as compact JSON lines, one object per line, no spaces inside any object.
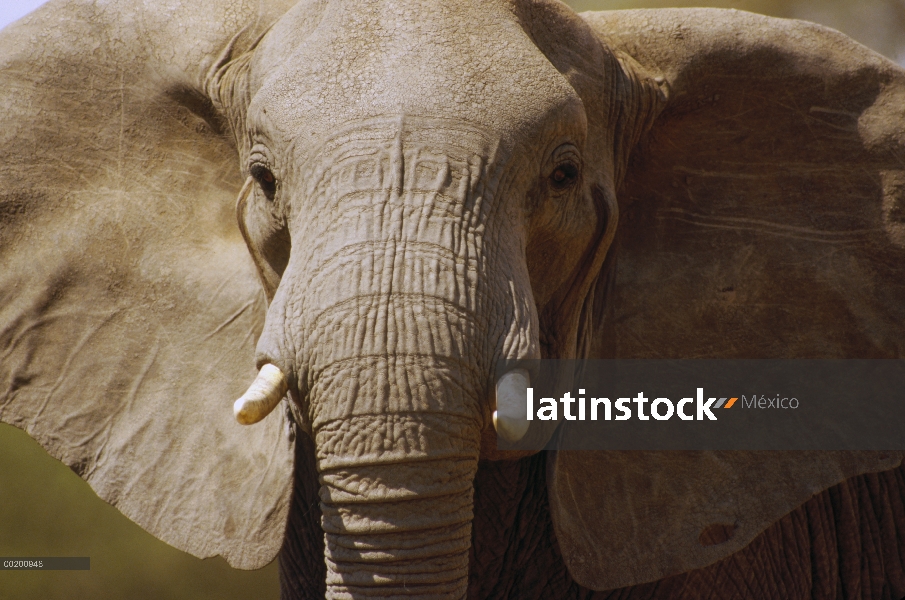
{"x":262,"y":396}
{"x":509,"y":418}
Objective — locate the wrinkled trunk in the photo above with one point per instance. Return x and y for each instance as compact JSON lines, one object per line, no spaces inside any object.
{"x":368,"y":552}
{"x":398,"y":530}
{"x":392,"y":313}
{"x":396,"y":489}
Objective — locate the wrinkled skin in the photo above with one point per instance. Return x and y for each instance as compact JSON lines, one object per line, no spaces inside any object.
{"x":844,"y":542}
{"x":389,"y":316}
{"x":430,"y":187}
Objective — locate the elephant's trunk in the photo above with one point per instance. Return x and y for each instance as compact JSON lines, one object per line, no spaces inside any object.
{"x":397,"y":530}
{"x":397,"y":439}
{"x":389,"y":321}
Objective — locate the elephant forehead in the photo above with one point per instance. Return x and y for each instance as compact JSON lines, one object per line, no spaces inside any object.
{"x":455,"y":60}
{"x":395,"y":153}
{"x":425,"y":185}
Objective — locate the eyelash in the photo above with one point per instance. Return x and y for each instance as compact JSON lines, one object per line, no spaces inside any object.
{"x":265,"y":179}
{"x":564,"y":175}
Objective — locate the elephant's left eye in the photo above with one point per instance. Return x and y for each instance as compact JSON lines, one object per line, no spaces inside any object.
{"x":265,"y":179}
{"x":564,"y":175}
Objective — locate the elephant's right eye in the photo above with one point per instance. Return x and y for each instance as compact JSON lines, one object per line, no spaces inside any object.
{"x":564,"y":175}
{"x":265,"y":179}
{"x":567,"y":169}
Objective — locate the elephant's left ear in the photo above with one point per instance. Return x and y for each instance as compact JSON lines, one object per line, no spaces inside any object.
{"x":762,"y":216}
{"x":129,"y":307}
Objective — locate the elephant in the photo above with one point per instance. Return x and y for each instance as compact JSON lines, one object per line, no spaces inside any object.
{"x":347,"y":214}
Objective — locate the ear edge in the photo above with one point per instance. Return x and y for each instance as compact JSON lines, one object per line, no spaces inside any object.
{"x":270,"y":278}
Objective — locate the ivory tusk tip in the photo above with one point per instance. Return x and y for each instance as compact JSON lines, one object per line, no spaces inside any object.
{"x":262,"y":396}
{"x":511,"y":394}
{"x":511,"y":430}
{"x":243,"y":415}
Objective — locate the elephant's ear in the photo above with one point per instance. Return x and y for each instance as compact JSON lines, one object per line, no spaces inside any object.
{"x":129,"y":307}
{"x":762,"y":216}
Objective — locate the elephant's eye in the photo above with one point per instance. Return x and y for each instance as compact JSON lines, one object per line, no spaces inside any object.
{"x":564,"y":175}
{"x":265,"y":179}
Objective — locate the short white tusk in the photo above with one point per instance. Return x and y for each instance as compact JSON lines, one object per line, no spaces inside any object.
{"x":262,"y":396}
{"x":509,"y":418}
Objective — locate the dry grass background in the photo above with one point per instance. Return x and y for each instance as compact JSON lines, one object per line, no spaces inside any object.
{"x":46,"y":510}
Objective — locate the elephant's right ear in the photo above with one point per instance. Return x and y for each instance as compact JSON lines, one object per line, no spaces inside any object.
{"x":129,"y":306}
{"x":762,"y":216}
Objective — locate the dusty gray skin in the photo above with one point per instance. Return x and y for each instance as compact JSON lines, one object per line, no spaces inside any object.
{"x":425,"y":188}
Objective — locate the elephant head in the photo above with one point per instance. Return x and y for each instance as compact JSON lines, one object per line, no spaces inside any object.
{"x":372,"y":204}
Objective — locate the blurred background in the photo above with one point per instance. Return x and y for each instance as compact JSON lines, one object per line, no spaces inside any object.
{"x":46,"y":510}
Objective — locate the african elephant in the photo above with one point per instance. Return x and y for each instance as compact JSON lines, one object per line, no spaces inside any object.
{"x":369,"y":205}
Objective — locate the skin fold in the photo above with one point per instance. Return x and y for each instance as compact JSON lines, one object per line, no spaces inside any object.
{"x":379,"y":201}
